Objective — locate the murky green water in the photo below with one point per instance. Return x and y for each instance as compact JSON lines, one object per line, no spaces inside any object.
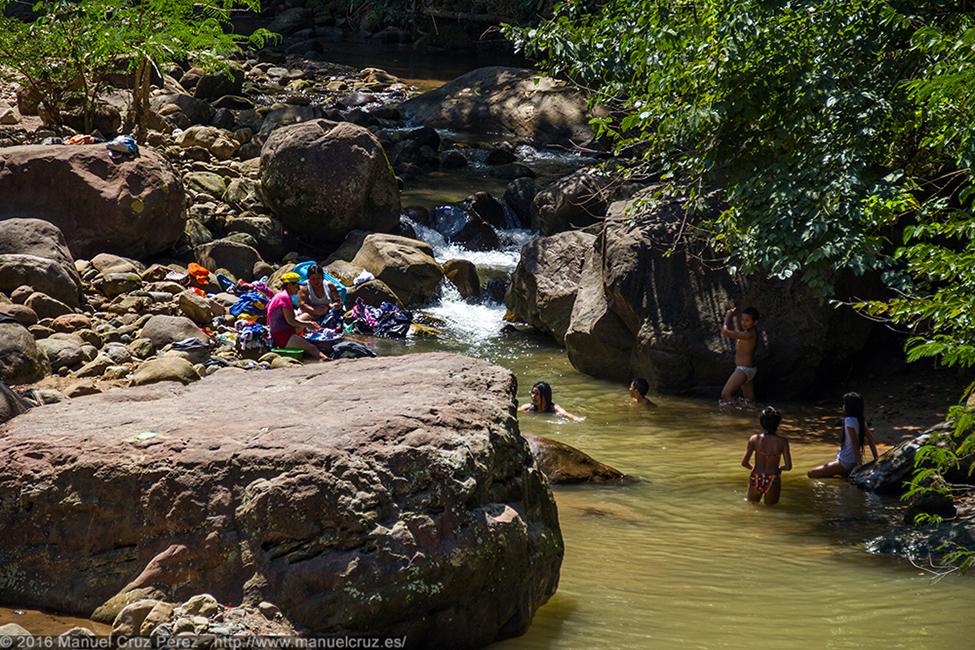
{"x":681,"y":559}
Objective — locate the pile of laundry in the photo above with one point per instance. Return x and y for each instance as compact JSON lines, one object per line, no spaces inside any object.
{"x":387,"y":320}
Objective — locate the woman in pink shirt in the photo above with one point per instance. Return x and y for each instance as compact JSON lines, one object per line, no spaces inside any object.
{"x":281,"y":320}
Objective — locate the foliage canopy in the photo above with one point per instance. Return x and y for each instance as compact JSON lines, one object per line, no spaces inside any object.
{"x":840,"y":133}
{"x":71,"y":47}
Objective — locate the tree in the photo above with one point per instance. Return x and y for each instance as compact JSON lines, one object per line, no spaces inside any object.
{"x":71,"y":47}
{"x":841,"y":134}
{"x":156,"y":32}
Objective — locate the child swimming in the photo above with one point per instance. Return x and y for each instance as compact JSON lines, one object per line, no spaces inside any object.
{"x":541,"y":402}
{"x":639,"y":388}
{"x":769,"y":448}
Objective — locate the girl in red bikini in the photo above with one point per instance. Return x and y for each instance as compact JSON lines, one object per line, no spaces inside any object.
{"x":769,"y":448}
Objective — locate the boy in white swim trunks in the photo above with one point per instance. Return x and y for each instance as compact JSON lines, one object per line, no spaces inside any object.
{"x":746,"y":340}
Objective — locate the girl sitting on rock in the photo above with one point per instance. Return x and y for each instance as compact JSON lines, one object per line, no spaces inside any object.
{"x":283,"y":323}
{"x":855,"y":433}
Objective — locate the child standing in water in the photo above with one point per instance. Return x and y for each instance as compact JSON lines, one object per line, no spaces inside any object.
{"x":746,"y":340}
{"x":855,"y":433}
{"x":769,"y":448}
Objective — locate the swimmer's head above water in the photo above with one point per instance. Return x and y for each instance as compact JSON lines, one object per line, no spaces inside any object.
{"x":639,"y":388}
{"x":541,"y":397}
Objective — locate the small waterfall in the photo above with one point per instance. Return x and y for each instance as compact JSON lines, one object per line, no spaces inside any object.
{"x":473,"y":323}
{"x":504,"y":259}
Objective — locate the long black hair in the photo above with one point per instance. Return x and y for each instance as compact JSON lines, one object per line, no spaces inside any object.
{"x":853,"y":408}
{"x":770,"y":420}
{"x":545,"y":392}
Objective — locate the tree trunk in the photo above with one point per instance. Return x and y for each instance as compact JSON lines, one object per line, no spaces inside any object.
{"x":139,"y":115}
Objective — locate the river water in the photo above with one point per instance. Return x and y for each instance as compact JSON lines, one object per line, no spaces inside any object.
{"x":678,"y":557}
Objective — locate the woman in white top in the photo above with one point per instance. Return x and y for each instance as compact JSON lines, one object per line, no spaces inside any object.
{"x":317,"y":297}
{"x":855,"y":433}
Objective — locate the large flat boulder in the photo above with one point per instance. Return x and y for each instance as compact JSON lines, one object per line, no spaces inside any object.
{"x":130,"y":206}
{"x":325,"y":179}
{"x":410,"y":505}
{"x":508,"y":102}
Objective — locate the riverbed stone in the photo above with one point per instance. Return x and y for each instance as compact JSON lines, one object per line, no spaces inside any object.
{"x":405,"y":265}
{"x":562,"y":463}
{"x":167,"y":368}
{"x":61,"y":353}
{"x":373,"y":293}
{"x":129,"y":621}
{"x":161,"y":330}
{"x":33,"y":252}
{"x":47,"y":307}
{"x":129,"y":206}
{"x":435,"y":505}
{"x":20,"y":360}
{"x":237,"y":258}
{"x":12,"y":629}
{"x":20,"y":313}
{"x":463,"y":275}
{"x":512,"y":102}
{"x":324,"y":179}
{"x":889,"y":473}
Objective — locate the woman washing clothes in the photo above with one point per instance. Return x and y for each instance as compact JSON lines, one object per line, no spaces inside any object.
{"x":541,"y":402}
{"x":284,"y":325}
{"x":855,"y":433}
{"x":317,"y":298}
{"x":769,"y":448}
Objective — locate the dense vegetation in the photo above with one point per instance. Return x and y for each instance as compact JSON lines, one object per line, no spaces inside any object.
{"x":840,"y":133}
{"x":65,"y":51}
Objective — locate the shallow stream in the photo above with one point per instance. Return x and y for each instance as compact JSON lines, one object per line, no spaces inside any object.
{"x":679,"y":558}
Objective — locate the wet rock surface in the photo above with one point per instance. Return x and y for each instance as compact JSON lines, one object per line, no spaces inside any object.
{"x":562,"y":463}
{"x":414,"y":509}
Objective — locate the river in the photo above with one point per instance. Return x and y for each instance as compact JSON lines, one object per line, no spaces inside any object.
{"x":679,"y":558}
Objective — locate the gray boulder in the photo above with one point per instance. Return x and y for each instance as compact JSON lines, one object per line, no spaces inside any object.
{"x":20,"y":360}
{"x":509,"y":102}
{"x":324,"y":179}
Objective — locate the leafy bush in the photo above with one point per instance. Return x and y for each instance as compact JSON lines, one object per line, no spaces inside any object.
{"x":71,"y":47}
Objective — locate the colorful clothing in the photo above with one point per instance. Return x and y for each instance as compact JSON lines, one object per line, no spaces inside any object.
{"x":762,"y":481}
{"x":281,"y":332}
